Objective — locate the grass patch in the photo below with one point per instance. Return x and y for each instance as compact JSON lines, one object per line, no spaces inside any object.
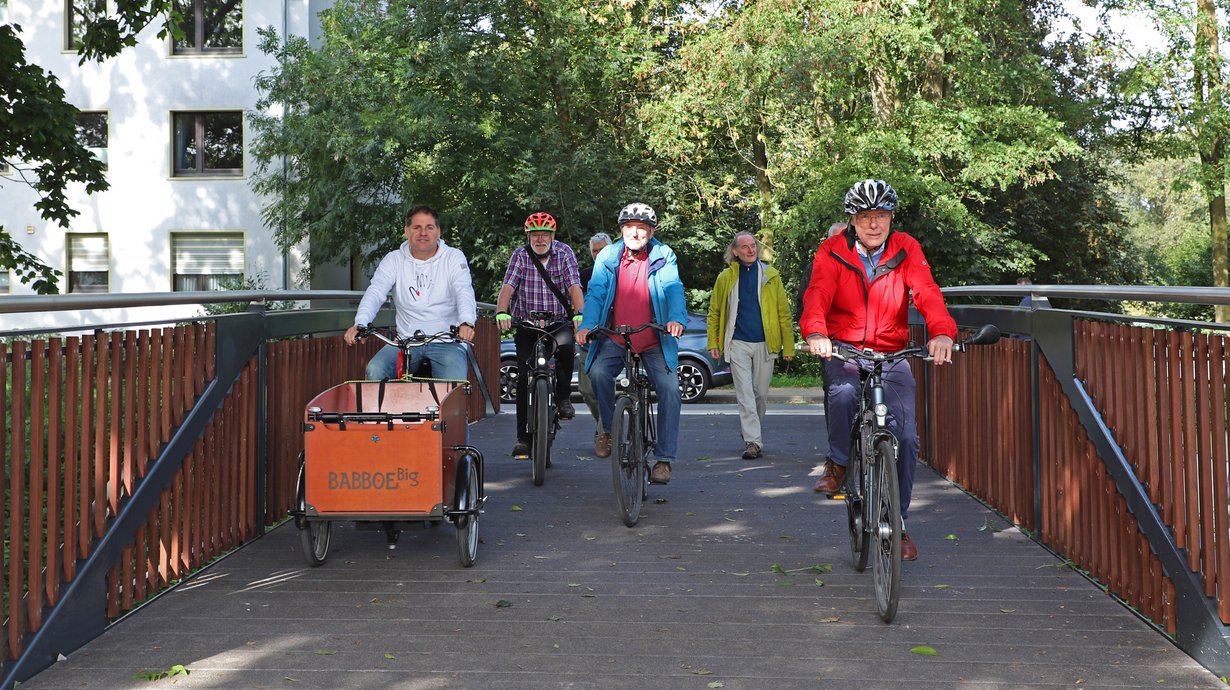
{"x":795,"y":381}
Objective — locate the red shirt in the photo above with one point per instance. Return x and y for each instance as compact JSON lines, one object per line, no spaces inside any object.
{"x":632,"y":307}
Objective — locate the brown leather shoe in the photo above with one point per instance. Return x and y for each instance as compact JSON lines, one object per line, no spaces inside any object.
{"x":909,"y":550}
{"x":661,"y":473}
{"x":752,"y":451}
{"x":602,"y":445}
{"x":831,"y":478}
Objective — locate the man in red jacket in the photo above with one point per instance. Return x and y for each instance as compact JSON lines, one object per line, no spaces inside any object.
{"x":862,"y":283}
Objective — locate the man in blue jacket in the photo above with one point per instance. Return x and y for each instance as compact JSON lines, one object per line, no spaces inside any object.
{"x":636,"y":281}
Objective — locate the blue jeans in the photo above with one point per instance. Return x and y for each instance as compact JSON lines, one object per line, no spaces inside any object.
{"x":842,"y":396}
{"x":609,"y":361}
{"x":448,"y":361}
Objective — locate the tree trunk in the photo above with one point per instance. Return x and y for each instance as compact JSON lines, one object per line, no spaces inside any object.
{"x":1208,"y":91}
{"x":760,"y":163}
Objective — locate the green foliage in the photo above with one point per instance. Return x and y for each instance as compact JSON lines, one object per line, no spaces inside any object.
{"x":256,"y":282}
{"x":39,"y":126}
{"x":173,"y":671}
{"x":485,"y":110}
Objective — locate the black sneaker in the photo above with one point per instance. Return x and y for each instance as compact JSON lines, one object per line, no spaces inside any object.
{"x":565,"y":411}
{"x":521,"y":449}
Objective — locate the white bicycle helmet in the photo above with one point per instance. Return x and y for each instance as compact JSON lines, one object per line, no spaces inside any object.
{"x":640,"y":212}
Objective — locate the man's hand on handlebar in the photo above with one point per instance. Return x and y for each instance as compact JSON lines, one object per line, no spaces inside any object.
{"x":582,"y":334}
{"x":674,"y":328}
{"x":466,"y":333}
{"x":820,"y":346}
{"x":351,"y":335}
{"x":940,"y":349}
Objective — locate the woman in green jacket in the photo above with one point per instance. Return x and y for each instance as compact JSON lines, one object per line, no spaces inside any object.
{"x":749,"y":326}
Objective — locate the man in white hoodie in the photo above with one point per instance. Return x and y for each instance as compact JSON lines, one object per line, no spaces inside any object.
{"x":432,"y":292}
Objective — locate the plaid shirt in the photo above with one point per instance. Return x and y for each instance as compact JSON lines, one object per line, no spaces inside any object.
{"x":530,"y":293}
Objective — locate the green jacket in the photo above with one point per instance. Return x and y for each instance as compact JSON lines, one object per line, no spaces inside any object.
{"x":774,"y":310}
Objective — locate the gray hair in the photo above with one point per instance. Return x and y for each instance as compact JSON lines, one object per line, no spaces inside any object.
{"x":600,"y":237}
{"x":729,"y":255}
{"x":836,"y":229}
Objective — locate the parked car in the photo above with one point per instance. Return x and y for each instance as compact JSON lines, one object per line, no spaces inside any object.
{"x":698,"y":372}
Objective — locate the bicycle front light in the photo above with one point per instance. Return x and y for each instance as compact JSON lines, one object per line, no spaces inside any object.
{"x":624,"y":382}
{"x":881,"y":410}
{"x":542,"y":361}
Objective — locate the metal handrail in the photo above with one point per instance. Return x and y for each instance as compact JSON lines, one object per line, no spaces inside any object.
{"x":1136,"y":293}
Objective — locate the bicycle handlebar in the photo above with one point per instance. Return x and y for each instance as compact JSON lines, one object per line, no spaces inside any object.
{"x":627,"y":331}
{"x":417,"y":339}
{"x":984,"y":336}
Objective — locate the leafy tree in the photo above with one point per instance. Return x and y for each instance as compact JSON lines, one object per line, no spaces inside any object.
{"x":1175,"y":99}
{"x":487,"y":110}
{"x":776,"y":107}
{"x":40,"y":143}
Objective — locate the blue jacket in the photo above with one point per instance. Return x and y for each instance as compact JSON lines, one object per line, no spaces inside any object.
{"x":665,"y":294}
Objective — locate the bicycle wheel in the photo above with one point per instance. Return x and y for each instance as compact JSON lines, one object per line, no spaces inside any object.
{"x":467,"y":527}
{"x":855,"y":498}
{"x":540,"y":450}
{"x":886,"y":538}
{"x":313,"y":534}
{"x":627,"y":462}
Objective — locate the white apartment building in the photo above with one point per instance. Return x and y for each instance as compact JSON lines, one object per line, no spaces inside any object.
{"x":169,"y":119}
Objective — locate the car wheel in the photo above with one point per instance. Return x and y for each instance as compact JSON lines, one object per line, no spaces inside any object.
{"x":508,"y":380}
{"x":693,"y":381}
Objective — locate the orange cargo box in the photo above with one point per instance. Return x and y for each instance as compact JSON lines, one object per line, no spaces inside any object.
{"x":376,"y":451}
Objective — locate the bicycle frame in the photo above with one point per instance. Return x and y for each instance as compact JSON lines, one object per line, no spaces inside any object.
{"x":632,"y":427}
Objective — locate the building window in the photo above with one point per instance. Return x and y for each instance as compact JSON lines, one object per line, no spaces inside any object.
{"x":214,"y":26}
{"x":92,"y":134}
{"x":208,"y":143}
{"x":89,"y":263}
{"x":6,"y":276}
{"x":206,"y":261}
{"x":79,"y":14}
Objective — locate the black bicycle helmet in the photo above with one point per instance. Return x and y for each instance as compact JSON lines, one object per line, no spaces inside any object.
{"x":640,"y":212}
{"x":871,"y":195}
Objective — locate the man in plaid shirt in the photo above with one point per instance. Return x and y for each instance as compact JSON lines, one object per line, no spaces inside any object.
{"x":524,"y":291}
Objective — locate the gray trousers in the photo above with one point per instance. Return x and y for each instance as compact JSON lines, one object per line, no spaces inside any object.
{"x":751,"y":368}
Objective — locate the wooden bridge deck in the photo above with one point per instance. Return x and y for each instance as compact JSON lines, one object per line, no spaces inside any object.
{"x":714,"y":588}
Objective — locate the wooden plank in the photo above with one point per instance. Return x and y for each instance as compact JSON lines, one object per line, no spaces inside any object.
{"x":1152,"y":420}
{"x":1179,"y":411}
{"x":15,"y":523}
{"x":141,"y":449}
{"x":1204,"y":466}
{"x":55,"y":469}
{"x":72,"y":421}
{"x":36,"y":522}
{"x":1191,"y":472}
{"x":1221,"y":477}
{"x":115,"y":396}
{"x":102,"y":357}
{"x":86,"y":481}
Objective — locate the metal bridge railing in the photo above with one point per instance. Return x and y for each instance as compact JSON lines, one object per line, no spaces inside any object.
{"x":137,"y":455}
{"x":1105,"y":437}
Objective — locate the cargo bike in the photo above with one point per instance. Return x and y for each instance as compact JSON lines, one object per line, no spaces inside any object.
{"x":389,"y":454}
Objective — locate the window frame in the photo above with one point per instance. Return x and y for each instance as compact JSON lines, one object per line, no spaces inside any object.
{"x":197,"y":27}
{"x":6,"y":287}
{"x":200,"y":171}
{"x":176,"y":235}
{"x":70,"y":43}
{"x":71,"y":286}
{"x":104,"y":155}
